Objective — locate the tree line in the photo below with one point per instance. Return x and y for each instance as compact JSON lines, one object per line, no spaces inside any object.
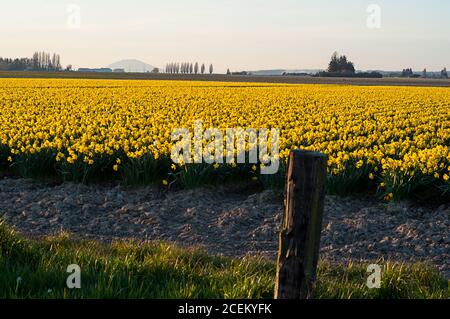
{"x":40,"y":61}
{"x":187,"y":68}
{"x":409,"y":73}
{"x":341,"y":66}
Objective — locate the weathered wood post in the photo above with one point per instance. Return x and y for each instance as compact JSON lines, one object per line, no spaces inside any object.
{"x":299,"y":240}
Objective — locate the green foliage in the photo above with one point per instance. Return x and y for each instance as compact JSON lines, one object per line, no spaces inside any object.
{"x":402,"y":185}
{"x":4,"y":154}
{"x":274,"y":181}
{"x":195,"y":175}
{"x":340,"y":64}
{"x":36,"y":165}
{"x":398,"y":281}
{"x":161,"y":270}
{"x":144,"y":170}
{"x":351,"y":180}
{"x":83,"y":172}
{"x":125,"y":270}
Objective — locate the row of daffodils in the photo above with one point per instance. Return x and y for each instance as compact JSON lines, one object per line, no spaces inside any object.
{"x":397,"y":136}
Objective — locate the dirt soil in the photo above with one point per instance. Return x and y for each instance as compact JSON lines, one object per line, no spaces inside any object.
{"x":227,"y":220}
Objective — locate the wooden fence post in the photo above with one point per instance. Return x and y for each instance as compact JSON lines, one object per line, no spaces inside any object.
{"x":299,"y":240}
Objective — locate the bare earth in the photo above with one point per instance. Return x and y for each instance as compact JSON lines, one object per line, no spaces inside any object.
{"x":230,"y":221}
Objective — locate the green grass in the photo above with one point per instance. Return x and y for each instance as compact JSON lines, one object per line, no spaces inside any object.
{"x":37,"y":269}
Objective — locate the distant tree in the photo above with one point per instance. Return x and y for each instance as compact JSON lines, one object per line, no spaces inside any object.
{"x":228,"y":72}
{"x":69,"y":67}
{"x":53,"y":62}
{"x":191,"y":68}
{"x":340,"y":64}
{"x":203,"y":68}
{"x":196,"y":68}
{"x":39,"y":61}
{"x":16,"y":64}
{"x":47,"y":61}
{"x":407,"y":73}
{"x":345,"y":65}
{"x":333,"y":65}
{"x":58,"y":62}
{"x":424,"y":73}
{"x":155,"y":70}
{"x":35,"y":63}
{"x":444,"y":73}
{"x":211,"y":69}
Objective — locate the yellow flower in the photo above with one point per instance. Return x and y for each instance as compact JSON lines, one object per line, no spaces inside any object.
{"x":116,"y":167}
{"x":359,"y":164}
{"x":165,"y":182}
{"x":401,"y":131}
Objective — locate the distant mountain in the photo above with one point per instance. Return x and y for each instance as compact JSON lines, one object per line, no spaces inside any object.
{"x":268,"y":72}
{"x":132,"y":65}
{"x":281,"y":71}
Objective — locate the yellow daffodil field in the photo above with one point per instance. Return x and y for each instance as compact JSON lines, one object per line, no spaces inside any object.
{"x":393,"y":140}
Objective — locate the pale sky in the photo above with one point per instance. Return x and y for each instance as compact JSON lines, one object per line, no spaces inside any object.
{"x":235,"y":34}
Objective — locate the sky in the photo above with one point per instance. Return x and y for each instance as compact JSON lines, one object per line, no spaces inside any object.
{"x":235,"y":34}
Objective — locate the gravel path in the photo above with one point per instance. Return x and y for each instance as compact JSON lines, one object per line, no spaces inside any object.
{"x":228,"y":221}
